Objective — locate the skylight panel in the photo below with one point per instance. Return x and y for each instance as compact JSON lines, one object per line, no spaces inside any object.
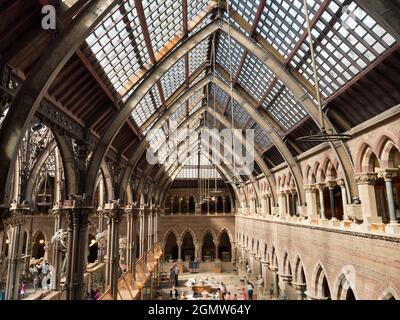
{"x":223,"y":56}
{"x":282,"y":23}
{"x":174,"y":78}
{"x":164,"y":21}
{"x":239,"y":115}
{"x":282,"y":106}
{"x":146,"y":107}
{"x":198,"y":55}
{"x":255,"y":77}
{"x":345,"y":50}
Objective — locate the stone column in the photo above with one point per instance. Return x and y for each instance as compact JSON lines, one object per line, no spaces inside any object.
{"x":393,"y":227}
{"x":282,"y":204}
{"x":331,"y":186}
{"x":321,"y":187}
{"x":132,"y":214}
{"x":179,"y":243}
{"x":141,"y":232}
{"x":234,"y":251}
{"x":293,"y":193}
{"x":76,"y":211}
{"x":180,"y":205}
{"x":265,"y":268}
{"x":15,"y":261}
{"x":300,"y":288}
{"x":100,"y":248}
{"x":275,"y":281}
{"x":187,"y":206}
{"x":366,"y":189}
{"x":216,"y":243}
{"x":28,"y":246}
{"x":57,"y":253}
{"x":287,"y":198}
{"x":113,"y":213}
{"x":172,"y":205}
{"x":342,"y":185}
{"x":197,"y":251}
{"x":311,"y":199}
{"x":223,"y":205}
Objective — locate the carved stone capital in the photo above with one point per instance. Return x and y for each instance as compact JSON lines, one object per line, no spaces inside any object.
{"x":331,"y":184}
{"x":366,"y":178}
{"x":389,"y":174}
{"x":321,"y":186}
{"x":310,"y":188}
{"x":340,"y":182}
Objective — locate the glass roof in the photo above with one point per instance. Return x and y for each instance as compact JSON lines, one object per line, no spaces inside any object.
{"x":196,"y":168}
{"x":344,"y":47}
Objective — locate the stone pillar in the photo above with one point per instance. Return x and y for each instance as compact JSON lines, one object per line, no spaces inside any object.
{"x":76,"y":211}
{"x":366,"y":189}
{"x":331,"y":186}
{"x":187,"y":206}
{"x":57,"y":253}
{"x":234,"y":252}
{"x":28,"y":246}
{"x":15,"y":261}
{"x":172,"y":205}
{"x":393,"y":227}
{"x":113,"y":213}
{"x":132,"y":214}
{"x":293,"y":194}
{"x":179,"y":243}
{"x":224,"y":205}
{"x":282,"y":205}
{"x":141,"y":232}
{"x":265,"y":268}
{"x":321,"y":187}
{"x":216,"y":243}
{"x":311,"y":199}
{"x":342,"y":185}
{"x":197,"y":251}
{"x":289,"y":213}
{"x":100,"y":248}
{"x":180,"y":205}
{"x":300,"y":288}
{"x":275,"y":281}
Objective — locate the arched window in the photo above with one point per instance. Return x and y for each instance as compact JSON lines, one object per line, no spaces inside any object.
{"x":192,"y":205}
{"x":208,"y":248}
{"x":171,"y":248}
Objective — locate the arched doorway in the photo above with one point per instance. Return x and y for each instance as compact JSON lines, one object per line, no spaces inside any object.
{"x":184,"y":205}
{"x":93,"y":249}
{"x":187,"y":249}
{"x":192,"y":205}
{"x":208,"y":248}
{"x":322,"y":290}
{"x":171,"y":248}
{"x":224,"y":247}
{"x":38,"y":250}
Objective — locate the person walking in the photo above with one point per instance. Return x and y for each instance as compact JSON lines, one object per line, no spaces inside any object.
{"x":171,"y":275}
{"x":174,"y":293}
{"x":35,"y":283}
{"x":176,"y":273}
{"x":23,"y":290}
{"x":250,"y":290}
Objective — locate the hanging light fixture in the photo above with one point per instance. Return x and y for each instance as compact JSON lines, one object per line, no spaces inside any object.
{"x":325,"y":135}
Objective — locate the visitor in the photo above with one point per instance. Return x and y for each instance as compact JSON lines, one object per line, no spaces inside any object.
{"x":174,"y":293}
{"x":234,"y":297}
{"x":171,"y":275}
{"x":176,"y":274}
{"x":23,"y":290}
{"x":218,"y":294}
{"x":250,"y":289}
{"x":228,"y":296}
{"x":97,"y":294}
{"x":244,"y":294}
{"x":35,"y":282}
{"x":45,"y":268}
{"x":223,"y":288}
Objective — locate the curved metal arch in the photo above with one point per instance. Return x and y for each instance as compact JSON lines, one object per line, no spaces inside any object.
{"x":218,"y":153}
{"x":166,"y":183}
{"x":274,"y":65}
{"x":69,"y":163}
{"x":32,"y":90}
{"x":165,"y":179}
{"x":30,"y":185}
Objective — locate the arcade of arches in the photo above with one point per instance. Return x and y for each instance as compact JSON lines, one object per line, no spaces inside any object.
{"x":86,"y":108}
